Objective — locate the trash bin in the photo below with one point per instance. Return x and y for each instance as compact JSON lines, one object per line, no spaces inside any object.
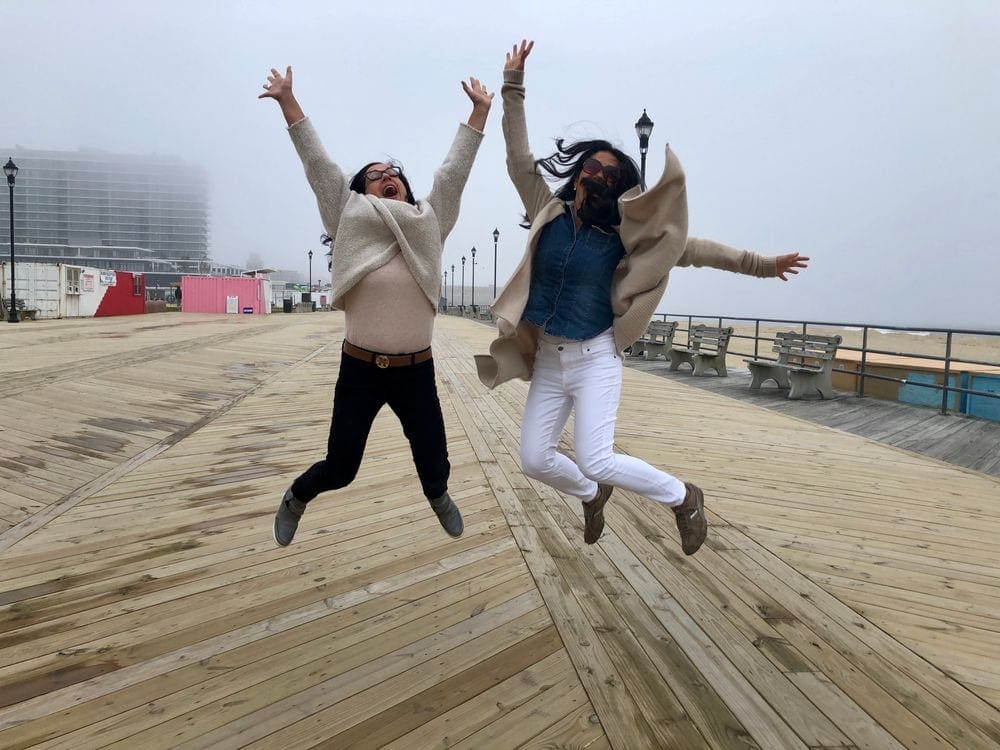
{"x":286,"y":305}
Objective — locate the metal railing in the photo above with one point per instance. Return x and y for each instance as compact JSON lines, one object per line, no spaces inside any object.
{"x":864,"y":372}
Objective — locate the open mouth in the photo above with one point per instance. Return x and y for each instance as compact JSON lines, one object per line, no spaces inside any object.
{"x":389,"y":191}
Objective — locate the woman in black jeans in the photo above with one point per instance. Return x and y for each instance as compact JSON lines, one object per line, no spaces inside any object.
{"x":387,"y":280}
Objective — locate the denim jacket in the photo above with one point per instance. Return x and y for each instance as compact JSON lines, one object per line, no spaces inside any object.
{"x":571,"y":277}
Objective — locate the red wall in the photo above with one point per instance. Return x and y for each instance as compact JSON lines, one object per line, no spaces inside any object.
{"x":120,"y":299}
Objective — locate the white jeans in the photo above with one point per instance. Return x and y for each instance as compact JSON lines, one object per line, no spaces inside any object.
{"x":585,"y":376}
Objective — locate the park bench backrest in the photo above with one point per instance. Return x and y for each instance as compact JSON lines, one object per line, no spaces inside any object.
{"x":709,"y":340}
{"x":660,"y":331}
{"x":805,"y":348}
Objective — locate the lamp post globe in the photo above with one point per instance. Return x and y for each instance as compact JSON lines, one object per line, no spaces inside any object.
{"x":643,"y":129}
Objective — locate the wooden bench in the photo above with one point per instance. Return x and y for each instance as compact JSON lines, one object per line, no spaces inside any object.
{"x":804,"y":364}
{"x":706,"y":350}
{"x":657,"y":339}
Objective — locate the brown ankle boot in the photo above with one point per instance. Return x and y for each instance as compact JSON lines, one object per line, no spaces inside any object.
{"x":691,"y":522}
{"x":593,"y":514}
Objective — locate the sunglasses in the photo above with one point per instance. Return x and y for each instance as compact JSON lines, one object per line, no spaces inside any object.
{"x":376,"y":174}
{"x":612,"y":173}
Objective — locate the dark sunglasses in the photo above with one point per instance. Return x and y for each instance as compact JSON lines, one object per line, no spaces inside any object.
{"x":376,"y":174}
{"x":612,"y":173}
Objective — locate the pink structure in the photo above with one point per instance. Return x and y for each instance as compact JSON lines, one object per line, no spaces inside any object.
{"x":216,"y":294}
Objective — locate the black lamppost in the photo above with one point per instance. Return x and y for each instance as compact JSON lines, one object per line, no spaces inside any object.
{"x":496,"y":240}
{"x":473,"y":279}
{"x":444,"y":289}
{"x":463,"y":283}
{"x":310,"y":274}
{"x":452,"y":284}
{"x":643,"y":127}
{"x":10,"y":169}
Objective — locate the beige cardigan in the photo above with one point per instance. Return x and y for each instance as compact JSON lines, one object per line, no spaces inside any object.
{"x":368,"y":232}
{"x":653,"y":231}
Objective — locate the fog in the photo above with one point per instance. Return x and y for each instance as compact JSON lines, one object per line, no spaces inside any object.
{"x":861,"y":134}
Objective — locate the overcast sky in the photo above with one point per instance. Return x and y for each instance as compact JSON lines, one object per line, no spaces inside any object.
{"x":863,"y":134}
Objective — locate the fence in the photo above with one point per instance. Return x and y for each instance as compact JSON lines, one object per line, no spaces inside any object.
{"x":865,"y":371}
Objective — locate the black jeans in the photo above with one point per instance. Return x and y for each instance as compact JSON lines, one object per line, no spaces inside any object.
{"x":362,"y":390}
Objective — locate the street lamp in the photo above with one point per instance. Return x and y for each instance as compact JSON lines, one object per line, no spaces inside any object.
{"x":444,"y":290}
{"x":452,"y":284}
{"x":496,"y":239}
{"x":643,"y":127}
{"x":463,"y":283}
{"x":10,"y":169}
{"x":473,"y":279}
{"x":310,"y":274}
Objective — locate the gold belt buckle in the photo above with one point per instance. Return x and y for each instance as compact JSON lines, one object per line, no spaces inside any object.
{"x":381,"y":361}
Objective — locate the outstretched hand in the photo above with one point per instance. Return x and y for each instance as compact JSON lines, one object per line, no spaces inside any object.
{"x":517,"y":55}
{"x":477,"y":93}
{"x":278,"y":86}
{"x":787,"y":264}
{"x":481,"y":103}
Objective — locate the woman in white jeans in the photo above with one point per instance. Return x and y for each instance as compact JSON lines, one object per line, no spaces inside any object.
{"x":596,"y":266}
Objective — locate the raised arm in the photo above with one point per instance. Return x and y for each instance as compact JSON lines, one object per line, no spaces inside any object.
{"x":326,"y":179}
{"x":450,"y":178}
{"x":699,"y":252}
{"x":530,"y":185}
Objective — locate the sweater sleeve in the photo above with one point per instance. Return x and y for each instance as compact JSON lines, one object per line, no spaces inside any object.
{"x":326,"y":179}
{"x":450,"y":178}
{"x":699,"y":252}
{"x":530,"y":185}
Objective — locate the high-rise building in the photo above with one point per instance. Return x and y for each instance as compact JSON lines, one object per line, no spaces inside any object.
{"x":146,"y":214}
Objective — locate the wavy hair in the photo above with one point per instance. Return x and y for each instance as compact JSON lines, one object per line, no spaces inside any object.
{"x":567,"y":163}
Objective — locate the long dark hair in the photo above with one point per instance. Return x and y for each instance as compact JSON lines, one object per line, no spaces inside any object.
{"x":567,"y":162}
{"x":358,"y":182}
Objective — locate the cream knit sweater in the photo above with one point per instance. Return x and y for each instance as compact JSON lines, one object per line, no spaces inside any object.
{"x":653,"y":231}
{"x":369,"y":232}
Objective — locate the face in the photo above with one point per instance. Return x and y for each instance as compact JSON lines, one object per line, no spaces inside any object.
{"x":384,"y":186}
{"x":596,"y":190}
{"x":609,"y":173}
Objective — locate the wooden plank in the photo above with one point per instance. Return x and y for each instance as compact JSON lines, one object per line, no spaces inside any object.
{"x":530,"y":687}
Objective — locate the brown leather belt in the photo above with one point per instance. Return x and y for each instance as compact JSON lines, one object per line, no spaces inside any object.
{"x":383,"y":361}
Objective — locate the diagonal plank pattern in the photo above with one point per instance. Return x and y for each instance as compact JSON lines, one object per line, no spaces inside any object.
{"x":847,"y":596}
{"x":144,"y":603}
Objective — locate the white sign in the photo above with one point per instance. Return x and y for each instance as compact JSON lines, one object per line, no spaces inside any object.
{"x":232,"y":305}
{"x":108,"y":278}
{"x":88,"y":282}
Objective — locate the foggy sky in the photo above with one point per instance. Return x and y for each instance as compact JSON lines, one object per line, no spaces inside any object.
{"x":861,"y":134}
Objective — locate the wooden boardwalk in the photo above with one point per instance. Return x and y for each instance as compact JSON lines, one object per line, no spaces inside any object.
{"x":848,"y":595}
{"x":955,"y":438}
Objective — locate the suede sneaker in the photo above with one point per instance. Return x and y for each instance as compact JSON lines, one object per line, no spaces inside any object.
{"x":691,"y":522}
{"x":593,"y":514}
{"x":448,"y":514}
{"x":286,"y":520}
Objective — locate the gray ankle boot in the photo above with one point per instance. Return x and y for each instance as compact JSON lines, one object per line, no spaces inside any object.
{"x":448,"y":515}
{"x":286,"y":520}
